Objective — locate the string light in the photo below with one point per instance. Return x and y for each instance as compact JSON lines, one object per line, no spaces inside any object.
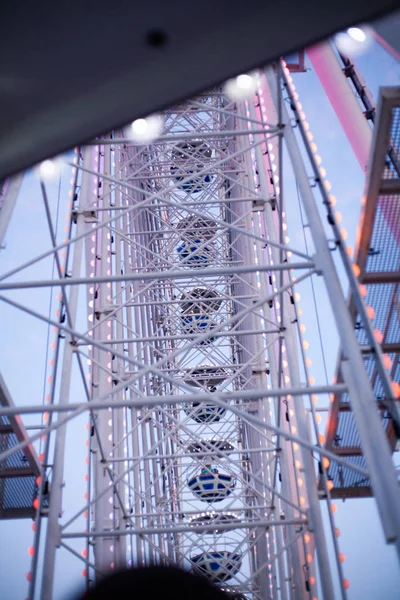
{"x":370,"y":312}
{"x":145,"y":131}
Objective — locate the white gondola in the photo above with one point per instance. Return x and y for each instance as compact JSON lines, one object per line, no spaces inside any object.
{"x":217,"y":566}
{"x":212,"y":486}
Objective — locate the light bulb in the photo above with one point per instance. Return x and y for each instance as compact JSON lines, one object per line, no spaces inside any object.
{"x":145,"y":131}
{"x":354,"y":41}
{"x":357,"y":34}
{"x":48,"y":169}
{"x":240,"y":87}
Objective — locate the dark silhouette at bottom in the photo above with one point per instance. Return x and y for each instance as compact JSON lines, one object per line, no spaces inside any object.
{"x":161,"y":583}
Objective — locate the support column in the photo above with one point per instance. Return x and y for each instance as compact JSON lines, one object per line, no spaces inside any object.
{"x":373,"y":439}
{"x":57,"y":483}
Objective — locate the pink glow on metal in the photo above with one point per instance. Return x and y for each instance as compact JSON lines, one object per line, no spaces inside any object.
{"x":386,"y":46}
{"x":343,"y":100}
{"x":350,"y":115}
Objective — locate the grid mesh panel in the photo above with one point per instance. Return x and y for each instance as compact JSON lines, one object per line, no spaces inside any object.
{"x":383,"y":257}
{"x":18,"y":487}
{"x":346,"y":479}
{"x":392,"y":166}
{"x":384,"y":251}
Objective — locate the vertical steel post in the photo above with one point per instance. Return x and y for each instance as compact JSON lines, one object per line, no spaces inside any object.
{"x":374,"y":442}
{"x":288,"y":472}
{"x":57,"y":483}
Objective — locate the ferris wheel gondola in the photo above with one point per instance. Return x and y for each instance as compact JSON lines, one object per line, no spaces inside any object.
{"x":218,"y":566}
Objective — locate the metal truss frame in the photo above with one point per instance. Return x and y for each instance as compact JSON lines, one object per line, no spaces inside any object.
{"x":127,"y":227}
{"x":378,"y":229}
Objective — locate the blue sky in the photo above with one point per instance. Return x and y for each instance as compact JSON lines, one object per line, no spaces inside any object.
{"x":371,"y":566}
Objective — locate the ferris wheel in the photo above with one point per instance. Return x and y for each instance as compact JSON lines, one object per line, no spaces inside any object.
{"x":203,"y":448}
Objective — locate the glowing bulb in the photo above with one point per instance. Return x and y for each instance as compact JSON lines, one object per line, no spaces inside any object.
{"x":396,"y":389}
{"x":332,"y":199}
{"x":306,"y":345}
{"x":309,"y":558}
{"x":346,"y":584}
{"x":321,"y":438}
{"x":387,"y":361}
{"x":244,"y":82}
{"x":307,"y":538}
{"x":363,"y":290}
{"x":357,"y":34}
{"x":145,"y":131}
{"x":370,"y":312}
{"x":312,"y":580}
{"x":330,"y":485}
{"x":333,"y":508}
{"x":326,"y":462}
{"x":354,"y":41}
{"x":349,"y":251}
{"x":240,"y":87}
{"x":48,"y":169}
